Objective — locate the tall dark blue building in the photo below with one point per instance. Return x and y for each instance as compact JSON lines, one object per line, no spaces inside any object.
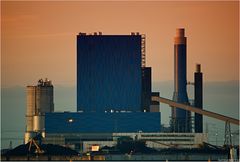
{"x":109,"y":75}
{"x":113,"y":88}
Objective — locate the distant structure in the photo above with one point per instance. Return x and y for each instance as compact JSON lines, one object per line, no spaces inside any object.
{"x":109,"y":72}
{"x":39,"y":102}
{"x":112,"y":73}
{"x":198,"y":98}
{"x":113,"y":88}
{"x":114,"y":98}
{"x":180,"y":118}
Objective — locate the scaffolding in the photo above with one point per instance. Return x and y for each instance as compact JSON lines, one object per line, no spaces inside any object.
{"x":143,"y":50}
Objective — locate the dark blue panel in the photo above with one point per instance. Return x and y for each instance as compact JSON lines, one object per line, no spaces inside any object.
{"x":108,"y":72}
{"x":102,"y":122}
{"x":146,"y":88}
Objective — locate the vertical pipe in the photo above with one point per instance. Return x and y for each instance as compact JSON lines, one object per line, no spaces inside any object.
{"x":198,"y":97}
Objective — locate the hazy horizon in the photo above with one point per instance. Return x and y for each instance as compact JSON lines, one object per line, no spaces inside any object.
{"x":153,"y":82}
{"x":220,"y":97}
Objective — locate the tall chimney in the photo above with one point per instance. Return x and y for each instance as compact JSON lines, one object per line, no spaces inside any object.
{"x":180,"y":118}
{"x":198,"y":98}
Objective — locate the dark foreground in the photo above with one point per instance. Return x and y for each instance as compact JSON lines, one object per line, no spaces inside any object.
{"x":49,"y":152}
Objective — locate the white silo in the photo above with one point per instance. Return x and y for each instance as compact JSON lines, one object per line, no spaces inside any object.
{"x":39,"y":101}
{"x":31,"y":102}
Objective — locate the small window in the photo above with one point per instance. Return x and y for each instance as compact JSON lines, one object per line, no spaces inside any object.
{"x":70,"y":120}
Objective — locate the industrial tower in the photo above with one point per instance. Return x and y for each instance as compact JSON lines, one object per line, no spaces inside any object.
{"x":39,"y":102}
{"x":180,"y":118}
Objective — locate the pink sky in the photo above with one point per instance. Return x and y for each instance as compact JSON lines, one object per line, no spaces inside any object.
{"x":39,"y":38}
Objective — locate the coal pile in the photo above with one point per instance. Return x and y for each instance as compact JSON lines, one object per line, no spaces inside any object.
{"x":48,"y":149}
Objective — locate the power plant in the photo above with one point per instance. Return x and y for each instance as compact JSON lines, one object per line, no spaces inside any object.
{"x":113,"y":93}
{"x":115,"y":99}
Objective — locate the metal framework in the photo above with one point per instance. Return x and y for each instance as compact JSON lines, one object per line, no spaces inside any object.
{"x":196,"y":110}
{"x":143,"y":50}
{"x":228,"y":135}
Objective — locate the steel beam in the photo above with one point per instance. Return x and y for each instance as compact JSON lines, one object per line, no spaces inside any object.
{"x":196,"y":110}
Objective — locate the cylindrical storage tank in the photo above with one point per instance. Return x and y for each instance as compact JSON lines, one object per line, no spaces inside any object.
{"x":31,"y":107}
{"x":39,"y":101}
{"x":31,"y":100}
{"x":29,"y":123}
{"x":44,"y":99}
{"x":38,"y":123}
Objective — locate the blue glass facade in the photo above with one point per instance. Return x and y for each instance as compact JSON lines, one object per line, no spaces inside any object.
{"x":88,"y":122}
{"x":108,"y":72}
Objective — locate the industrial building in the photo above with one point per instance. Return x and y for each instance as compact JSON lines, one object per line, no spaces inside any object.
{"x":82,"y":142}
{"x":101,"y":122}
{"x":113,"y":82}
{"x":114,"y":98}
{"x":113,"y":91}
{"x":108,"y":72}
{"x":39,"y":101}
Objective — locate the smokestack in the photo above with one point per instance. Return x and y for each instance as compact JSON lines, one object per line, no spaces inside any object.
{"x":180,"y":37}
{"x":198,"y":68}
{"x":180,"y":118}
{"x":198,"y":97}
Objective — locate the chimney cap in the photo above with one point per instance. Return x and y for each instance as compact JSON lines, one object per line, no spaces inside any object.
{"x":180,"y":32}
{"x":198,"y":68}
